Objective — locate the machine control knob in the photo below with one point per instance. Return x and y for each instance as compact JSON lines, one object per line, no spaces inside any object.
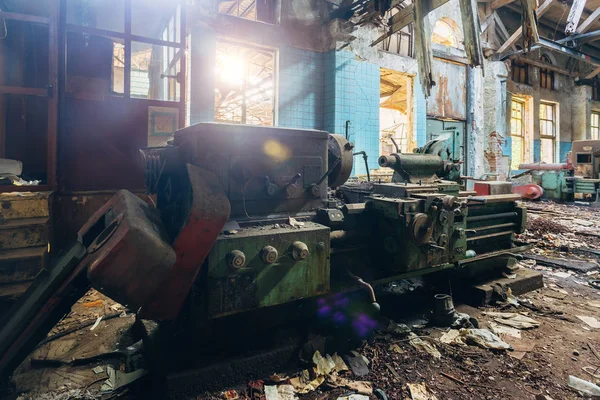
{"x":236,"y":259}
{"x":299,"y":251}
{"x":269,"y":254}
{"x":315,"y":190}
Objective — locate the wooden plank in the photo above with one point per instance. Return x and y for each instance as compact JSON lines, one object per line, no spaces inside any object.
{"x":406,"y":18}
{"x":546,"y":66}
{"x":487,"y":21}
{"x":593,"y":73}
{"x":585,"y":25}
{"x":23,"y":17}
{"x":503,"y":29}
{"x":496,"y":4}
{"x":574,"y":16}
{"x":471,"y":29}
{"x":26,"y":91}
{"x":515,"y":36}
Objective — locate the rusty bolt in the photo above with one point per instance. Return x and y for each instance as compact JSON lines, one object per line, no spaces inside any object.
{"x":269,"y":254}
{"x":299,"y":251}
{"x":236,"y":259}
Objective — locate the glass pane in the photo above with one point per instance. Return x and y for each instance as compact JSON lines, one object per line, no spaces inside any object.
{"x":516,"y":152}
{"x":95,"y":67}
{"x":24,"y":57}
{"x":245,"y":78}
{"x":156,"y":19}
{"x":155,"y":72}
{"x":547,"y":149}
{"x":100,"y":14}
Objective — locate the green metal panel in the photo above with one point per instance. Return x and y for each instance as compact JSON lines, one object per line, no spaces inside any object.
{"x":257,"y":284}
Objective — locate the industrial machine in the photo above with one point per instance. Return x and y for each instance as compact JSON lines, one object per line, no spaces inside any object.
{"x":248,"y":217}
{"x":577,"y":179}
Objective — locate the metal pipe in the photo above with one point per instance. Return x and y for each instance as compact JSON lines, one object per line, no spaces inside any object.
{"x":365,"y":156}
{"x":368,"y":287}
{"x":495,"y":198}
{"x":490,"y":235}
{"x":498,"y":226}
{"x":543,"y":167}
{"x":491,"y":216}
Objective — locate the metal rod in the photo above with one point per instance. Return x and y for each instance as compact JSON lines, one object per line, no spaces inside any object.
{"x":491,"y":216}
{"x":498,"y":226}
{"x":489,"y":236}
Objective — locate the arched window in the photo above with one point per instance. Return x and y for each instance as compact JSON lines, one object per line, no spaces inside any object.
{"x":446,"y":32}
{"x":546,"y":76}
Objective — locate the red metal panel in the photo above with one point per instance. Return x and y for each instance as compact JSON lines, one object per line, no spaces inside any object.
{"x":208,"y":214}
{"x":128,"y":251}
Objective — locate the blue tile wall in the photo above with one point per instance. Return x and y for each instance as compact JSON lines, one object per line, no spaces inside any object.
{"x":420,"y":115}
{"x":507,"y":146}
{"x":537,"y":150}
{"x":564,"y":148}
{"x":300,"y":88}
{"x":351,"y":93}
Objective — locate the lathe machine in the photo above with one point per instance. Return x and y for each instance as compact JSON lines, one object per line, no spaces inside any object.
{"x":248,"y":217}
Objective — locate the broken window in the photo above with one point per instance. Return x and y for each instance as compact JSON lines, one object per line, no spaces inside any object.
{"x":446,"y":32}
{"x":547,"y":132}
{"x":520,"y":72}
{"x":595,"y":125}
{"x":396,"y":112}
{"x":245,"y":84}
{"x":546,"y":76}
{"x":517,"y":132}
{"x":255,"y":10}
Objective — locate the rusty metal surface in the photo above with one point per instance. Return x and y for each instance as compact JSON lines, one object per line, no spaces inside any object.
{"x":207,"y":216}
{"x":129,"y":254}
{"x":449,"y":96}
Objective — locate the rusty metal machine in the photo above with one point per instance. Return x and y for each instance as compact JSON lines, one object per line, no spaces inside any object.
{"x":577,"y":179}
{"x":249,"y":217}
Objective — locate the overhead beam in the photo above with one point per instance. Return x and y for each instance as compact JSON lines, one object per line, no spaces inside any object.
{"x":593,"y":73}
{"x":403,"y":18}
{"x":581,"y":38}
{"x":487,"y":22}
{"x":574,"y":16}
{"x":547,"y":66}
{"x":502,"y":29}
{"x":496,"y":4}
{"x":515,"y":36}
{"x":585,"y":25}
{"x":548,"y":44}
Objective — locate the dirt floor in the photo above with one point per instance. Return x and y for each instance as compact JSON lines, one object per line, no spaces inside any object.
{"x":566,"y":342}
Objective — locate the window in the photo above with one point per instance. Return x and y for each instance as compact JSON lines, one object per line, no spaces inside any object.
{"x":255,"y":10}
{"x":595,"y":125}
{"x":517,"y":133}
{"x":596,"y":89}
{"x":520,"y":72}
{"x":103,"y":59}
{"x":245,"y":84}
{"x":546,"y":76}
{"x":446,"y":32}
{"x":547,"y":132}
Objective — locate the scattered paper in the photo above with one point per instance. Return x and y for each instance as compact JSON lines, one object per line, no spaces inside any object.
{"x":422,"y":345}
{"x":420,"y":391}
{"x":505,"y":330}
{"x":354,"y":397}
{"x":484,"y":338}
{"x":281,"y":392}
{"x":452,"y":337}
{"x":591,"y":321}
{"x":514,"y":320}
{"x":594,"y":303}
{"x":98,"y":370}
{"x":324,"y":365}
{"x":340,"y":365}
{"x":117,"y":379}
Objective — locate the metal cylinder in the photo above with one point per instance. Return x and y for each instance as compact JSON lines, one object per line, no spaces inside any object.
{"x":543,"y":167}
{"x":414,"y":167}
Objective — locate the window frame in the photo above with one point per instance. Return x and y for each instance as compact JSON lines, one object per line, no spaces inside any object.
{"x":595,"y":115}
{"x":552,"y":121}
{"x":513,"y":135}
{"x":275,"y":52}
{"x":520,"y":66}
{"x":547,"y":77}
{"x":128,"y":38}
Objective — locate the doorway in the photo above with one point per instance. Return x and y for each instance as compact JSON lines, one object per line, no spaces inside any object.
{"x":396,"y":112}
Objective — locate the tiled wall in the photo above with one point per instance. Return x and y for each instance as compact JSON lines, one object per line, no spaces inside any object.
{"x":564,"y":148}
{"x":420,"y":114}
{"x":352,"y":94}
{"x":537,"y":150}
{"x":300,"y":88}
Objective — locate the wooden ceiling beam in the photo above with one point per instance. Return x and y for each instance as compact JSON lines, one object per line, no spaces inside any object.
{"x":593,"y":73}
{"x":515,"y":36}
{"x":496,"y":4}
{"x":574,"y":16}
{"x":585,"y":25}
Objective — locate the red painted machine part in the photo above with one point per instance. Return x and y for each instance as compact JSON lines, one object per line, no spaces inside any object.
{"x":209,"y":212}
{"x":530,"y":191}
